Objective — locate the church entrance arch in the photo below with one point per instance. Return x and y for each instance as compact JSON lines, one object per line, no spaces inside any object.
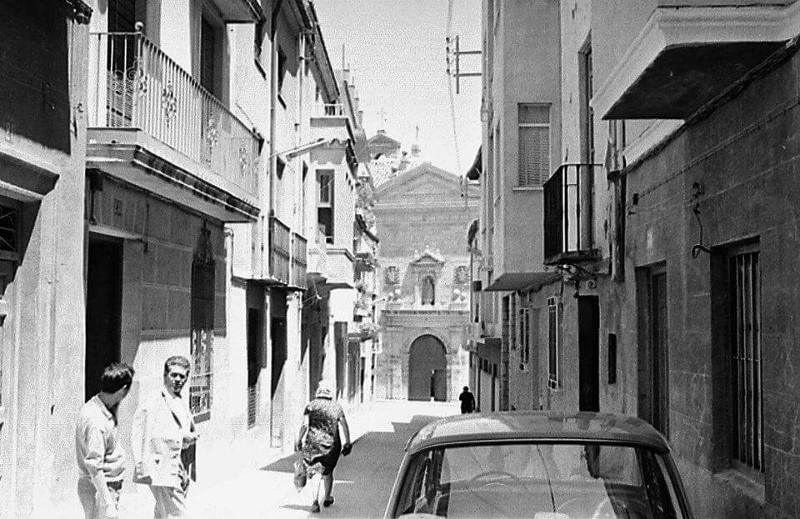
{"x":427,"y":369}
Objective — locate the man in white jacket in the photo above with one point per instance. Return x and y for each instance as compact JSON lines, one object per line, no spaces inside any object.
{"x":162,"y":438}
{"x":101,"y":460}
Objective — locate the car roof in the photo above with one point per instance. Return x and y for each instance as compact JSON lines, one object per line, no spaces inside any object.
{"x":546,"y":426}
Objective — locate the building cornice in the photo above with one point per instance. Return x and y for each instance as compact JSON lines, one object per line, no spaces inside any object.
{"x":671,"y":27}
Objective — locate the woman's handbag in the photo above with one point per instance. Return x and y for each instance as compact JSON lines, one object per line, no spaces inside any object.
{"x":300,"y":474}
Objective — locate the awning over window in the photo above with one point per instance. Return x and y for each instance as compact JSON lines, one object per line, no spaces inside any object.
{"x":474,"y":172}
{"x":240,"y":11}
{"x":511,"y":281}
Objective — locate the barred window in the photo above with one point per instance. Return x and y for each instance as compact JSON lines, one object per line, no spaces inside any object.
{"x":512,"y":312}
{"x":534,"y":144}
{"x":525,"y":326}
{"x":745,"y":313}
{"x":553,"y":319}
{"x":506,"y":319}
{"x":202,"y":328}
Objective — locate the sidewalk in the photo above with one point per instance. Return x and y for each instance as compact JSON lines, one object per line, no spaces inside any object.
{"x":242,"y":494}
{"x":270,"y":491}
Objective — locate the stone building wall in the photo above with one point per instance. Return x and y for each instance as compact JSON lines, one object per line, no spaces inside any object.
{"x":738,"y":169}
{"x":422,"y":220}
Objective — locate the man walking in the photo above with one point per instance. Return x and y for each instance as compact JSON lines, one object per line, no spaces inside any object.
{"x":101,"y":460}
{"x":467,"y":401}
{"x":163,"y":438}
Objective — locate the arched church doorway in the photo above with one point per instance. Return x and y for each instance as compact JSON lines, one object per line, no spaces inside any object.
{"x":427,"y":369}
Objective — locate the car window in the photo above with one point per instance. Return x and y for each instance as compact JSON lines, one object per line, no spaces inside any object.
{"x":539,"y":480}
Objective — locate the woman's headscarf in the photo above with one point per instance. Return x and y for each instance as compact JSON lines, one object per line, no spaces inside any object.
{"x":324,"y":389}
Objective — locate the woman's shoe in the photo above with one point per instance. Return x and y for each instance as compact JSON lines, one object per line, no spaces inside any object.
{"x":328,"y":502}
{"x":315,"y":507}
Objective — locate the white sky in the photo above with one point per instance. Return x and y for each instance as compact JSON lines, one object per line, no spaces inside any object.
{"x":396,"y":53}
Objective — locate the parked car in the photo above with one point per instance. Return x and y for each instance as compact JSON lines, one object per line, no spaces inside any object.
{"x":539,"y":465}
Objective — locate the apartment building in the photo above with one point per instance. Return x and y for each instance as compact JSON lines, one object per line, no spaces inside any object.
{"x":669,"y":221}
{"x":334,"y":304}
{"x":156,"y":200}
{"x":521,"y":140}
{"x":42,"y":157}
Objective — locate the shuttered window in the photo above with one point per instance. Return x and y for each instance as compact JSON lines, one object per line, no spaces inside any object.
{"x":534,"y":144}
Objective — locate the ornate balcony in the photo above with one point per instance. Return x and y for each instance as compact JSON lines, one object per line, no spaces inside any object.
{"x":153,"y":125}
{"x":568,"y":219}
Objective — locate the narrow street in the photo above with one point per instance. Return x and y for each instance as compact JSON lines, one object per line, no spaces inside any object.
{"x":363,"y":479}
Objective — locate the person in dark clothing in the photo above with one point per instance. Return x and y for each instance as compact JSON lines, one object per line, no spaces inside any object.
{"x":467,"y":401}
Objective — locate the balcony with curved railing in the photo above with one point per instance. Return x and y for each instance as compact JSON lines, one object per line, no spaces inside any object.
{"x":142,"y":99}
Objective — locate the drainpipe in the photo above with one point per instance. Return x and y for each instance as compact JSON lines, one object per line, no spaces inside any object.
{"x":273,"y":102}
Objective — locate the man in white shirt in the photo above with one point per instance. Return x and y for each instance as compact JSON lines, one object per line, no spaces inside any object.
{"x":101,"y":460}
{"x":162,"y":438}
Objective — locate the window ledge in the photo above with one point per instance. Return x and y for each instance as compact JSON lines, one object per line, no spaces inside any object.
{"x":744,"y":483}
{"x":527,"y":188}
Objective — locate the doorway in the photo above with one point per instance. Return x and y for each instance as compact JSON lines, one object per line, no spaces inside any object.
{"x":654,"y":388}
{"x":589,"y":353}
{"x":103,"y":310}
{"x":255,"y":361}
{"x":427,"y":357}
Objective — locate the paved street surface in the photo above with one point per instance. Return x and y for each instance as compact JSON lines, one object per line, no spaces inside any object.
{"x":363,"y":479}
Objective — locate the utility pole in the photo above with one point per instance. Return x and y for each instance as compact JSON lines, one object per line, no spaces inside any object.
{"x":456,"y":52}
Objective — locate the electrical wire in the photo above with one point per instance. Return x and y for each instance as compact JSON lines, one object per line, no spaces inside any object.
{"x":448,"y":33}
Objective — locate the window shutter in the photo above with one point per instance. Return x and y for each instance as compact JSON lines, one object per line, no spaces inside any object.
{"x":534,"y":155}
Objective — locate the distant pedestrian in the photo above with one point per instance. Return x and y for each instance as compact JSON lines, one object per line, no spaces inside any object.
{"x":164,"y":439}
{"x":101,"y":459}
{"x":320,"y":442}
{"x":467,"y":401}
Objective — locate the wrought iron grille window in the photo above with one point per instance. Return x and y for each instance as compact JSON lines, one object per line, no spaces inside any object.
{"x":513,"y":332}
{"x":553,"y":319}
{"x":745,"y":314}
{"x":202,"y":328}
{"x":525,"y":330}
{"x":506,"y":318}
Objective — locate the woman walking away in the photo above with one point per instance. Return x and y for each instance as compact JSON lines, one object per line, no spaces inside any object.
{"x":320,"y":442}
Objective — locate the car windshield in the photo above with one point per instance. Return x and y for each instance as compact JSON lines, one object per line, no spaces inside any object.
{"x":539,"y":481}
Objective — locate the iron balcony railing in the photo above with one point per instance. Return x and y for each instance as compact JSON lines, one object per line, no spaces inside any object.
{"x":288,"y":254}
{"x":333,"y":110}
{"x":568,"y":226}
{"x":280,"y":239}
{"x":138,"y":86}
{"x":299,"y":260}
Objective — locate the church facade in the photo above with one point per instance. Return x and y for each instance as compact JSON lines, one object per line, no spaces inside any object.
{"x":422,"y":214}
